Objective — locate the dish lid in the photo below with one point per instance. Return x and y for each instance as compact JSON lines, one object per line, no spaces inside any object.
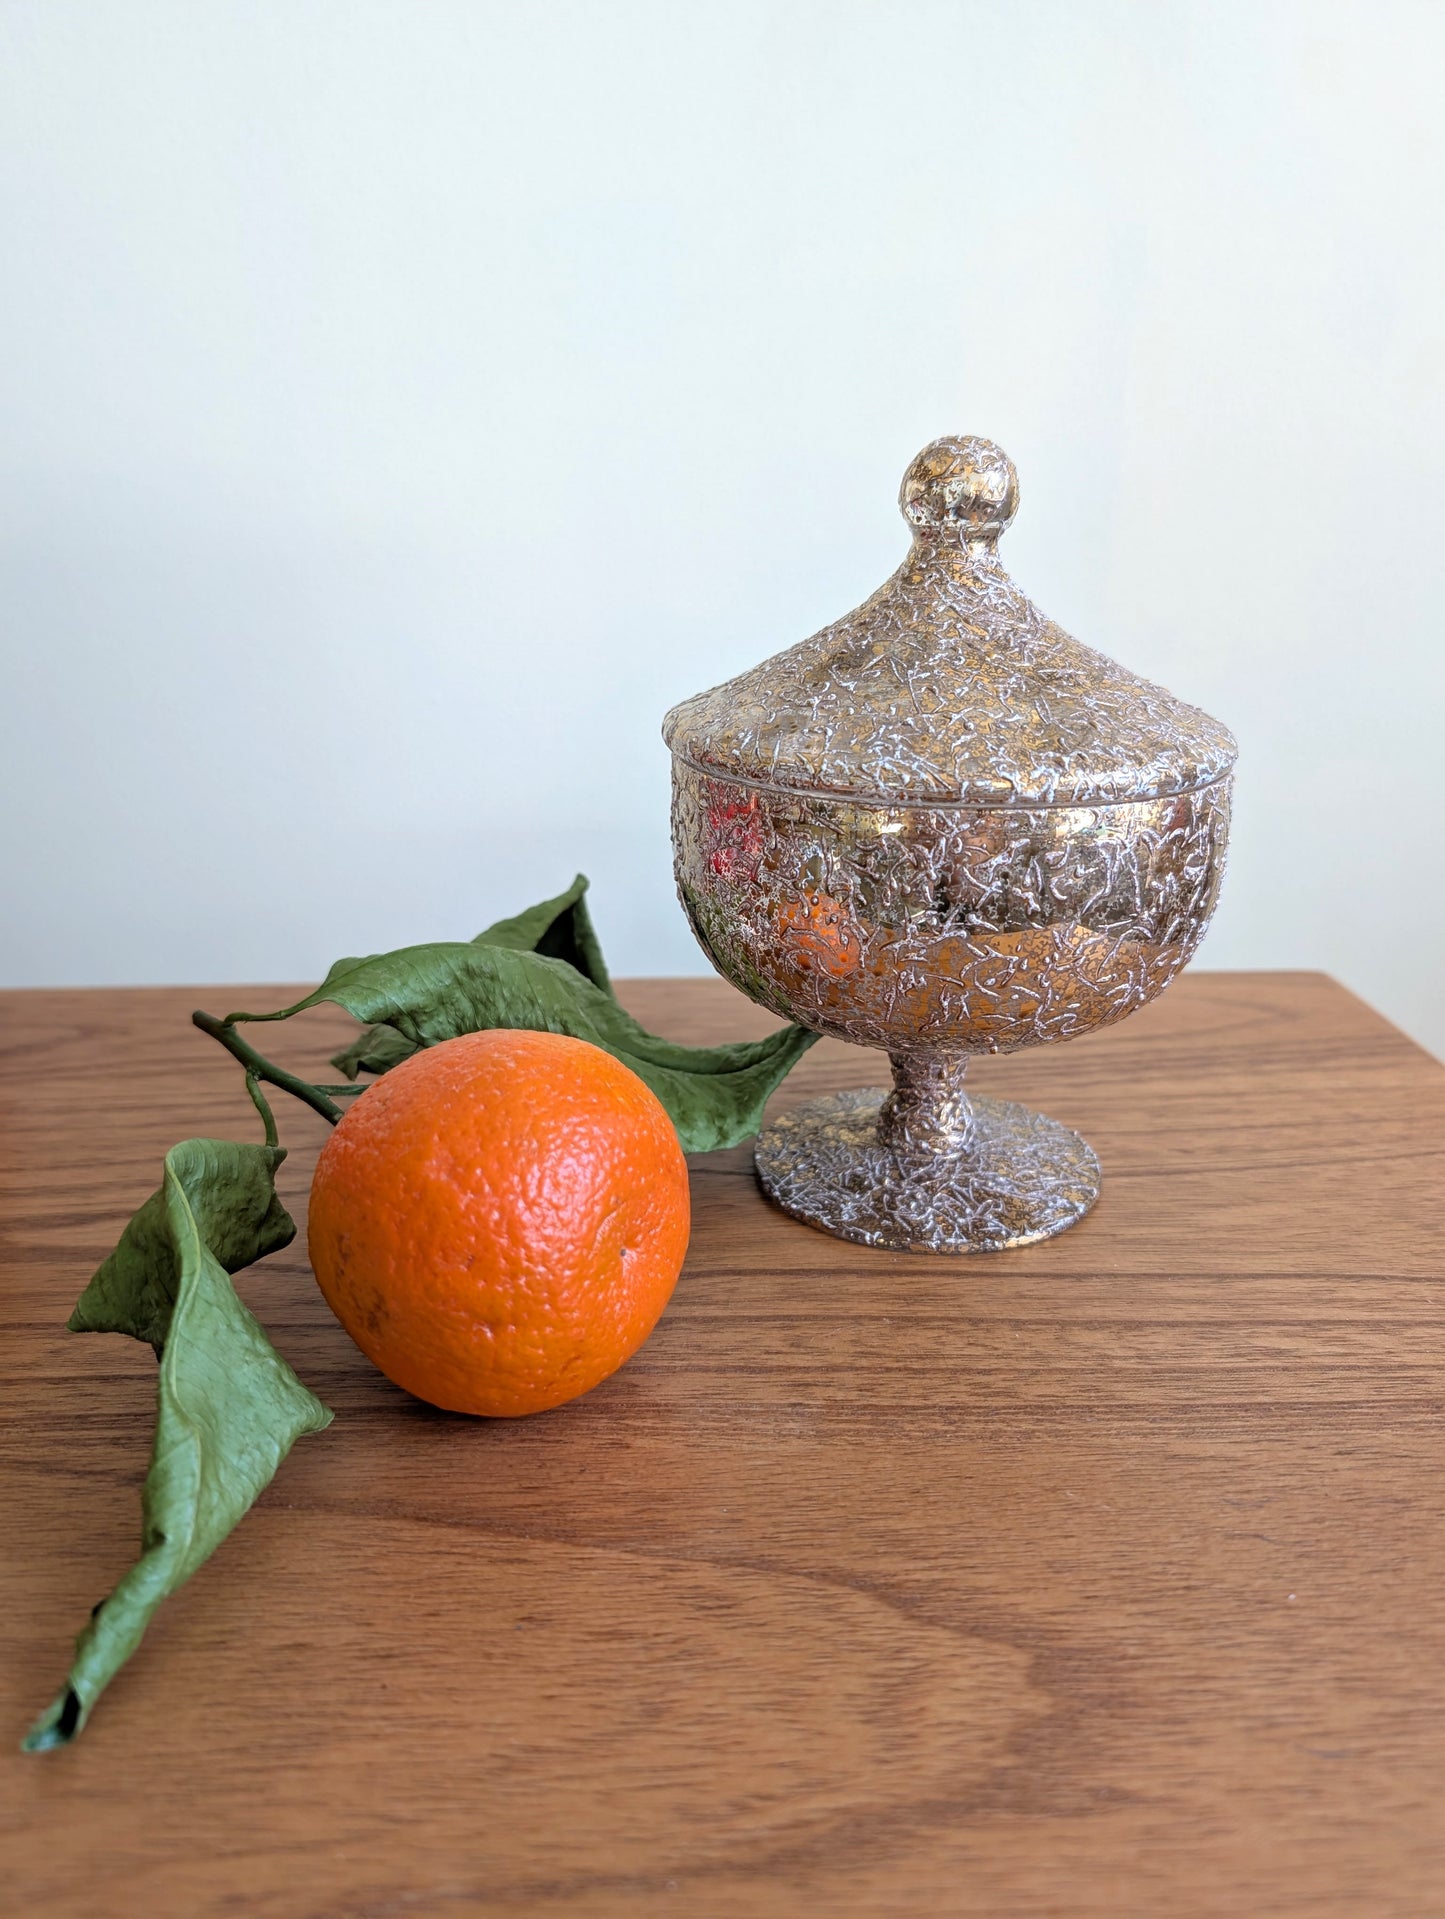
{"x":948,"y":686}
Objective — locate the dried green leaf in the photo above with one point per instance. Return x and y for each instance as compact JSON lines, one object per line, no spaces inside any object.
{"x":559,"y":928}
{"x":229,"y":1408}
{"x":376,"y":1049}
{"x":714,"y":1094}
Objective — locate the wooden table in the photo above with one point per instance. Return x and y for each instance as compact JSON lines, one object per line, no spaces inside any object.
{"x":1102,"y":1578}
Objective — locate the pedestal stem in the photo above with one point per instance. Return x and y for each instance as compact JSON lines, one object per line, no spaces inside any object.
{"x":928,"y":1112}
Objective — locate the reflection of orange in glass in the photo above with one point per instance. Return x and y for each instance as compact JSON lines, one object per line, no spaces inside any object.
{"x":734,"y":837}
{"x":820,"y":931}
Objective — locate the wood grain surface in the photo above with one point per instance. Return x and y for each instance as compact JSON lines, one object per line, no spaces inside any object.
{"x":1105,"y":1577}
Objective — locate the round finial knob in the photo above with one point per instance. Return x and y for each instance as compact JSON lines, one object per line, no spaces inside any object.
{"x":960,"y":485}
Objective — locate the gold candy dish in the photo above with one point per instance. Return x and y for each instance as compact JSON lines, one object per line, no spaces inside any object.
{"x":942,"y":826}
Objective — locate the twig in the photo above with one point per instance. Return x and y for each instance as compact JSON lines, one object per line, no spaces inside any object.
{"x":263,"y":1107}
{"x":260,"y":1068}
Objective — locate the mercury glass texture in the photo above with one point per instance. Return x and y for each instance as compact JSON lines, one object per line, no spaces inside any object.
{"x":942,"y":827}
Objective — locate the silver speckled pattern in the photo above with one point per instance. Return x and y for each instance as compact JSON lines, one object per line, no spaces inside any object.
{"x":992,"y":928}
{"x":1020,"y":1178}
{"x":950,"y":685}
{"x":942,"y":827}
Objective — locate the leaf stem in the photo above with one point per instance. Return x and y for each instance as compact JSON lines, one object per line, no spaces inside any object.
{"x":263,"y":1107}
{"x":261,"y":1068}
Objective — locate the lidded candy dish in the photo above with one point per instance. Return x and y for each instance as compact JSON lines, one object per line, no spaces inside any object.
{"x":942,"y":827}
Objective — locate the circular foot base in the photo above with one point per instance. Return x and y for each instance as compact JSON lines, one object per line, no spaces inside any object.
{"x":1022,"y":1177}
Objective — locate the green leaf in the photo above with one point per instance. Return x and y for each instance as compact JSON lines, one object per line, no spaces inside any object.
{"x":715,"y":1094}
{"x":376,"y":1049}
{"x":559,"y":928}
{"x":424,"y":994}
{"x":229,"y":1408}
{"x":231,"y":1191}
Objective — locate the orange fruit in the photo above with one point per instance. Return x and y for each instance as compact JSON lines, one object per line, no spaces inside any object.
{"x":499,"y":1221}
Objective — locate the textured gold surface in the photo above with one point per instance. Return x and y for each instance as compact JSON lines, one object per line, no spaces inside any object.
{"x":1019,"y":1178}
{"x":949,"y":684}
{"x":992,"y":928}
{"x":942,"y":827}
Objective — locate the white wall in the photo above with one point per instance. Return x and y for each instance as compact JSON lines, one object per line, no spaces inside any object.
{"x":405,"y":401}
